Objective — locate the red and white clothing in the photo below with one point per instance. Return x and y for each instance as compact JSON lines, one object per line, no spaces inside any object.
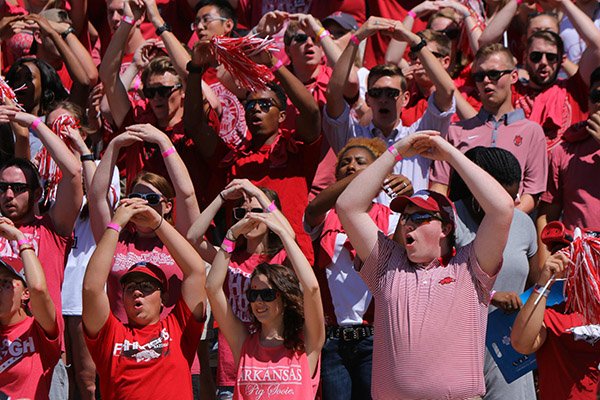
{"x":152,"y":362}
{"x":430,"y":324}
{"x":27,"y":360}
{"x":274,"y":373}
{"x":568,"y":360}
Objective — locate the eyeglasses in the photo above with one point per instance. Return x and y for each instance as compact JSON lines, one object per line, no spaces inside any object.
{"x":419,"y":218}
{"x":264,"y":105}
{"x":390,"y":93}
{"x":153,"y":199}
{"x":536,"y":56}
{"x":300,"y":38}
{"x":205,"y":20}
{"x":595,"y":96}
{"x":240,"y":212}
{"x":267,"y":295}
{"x":17,"y":187}
{"x":415,"y":56}
{"x":146,"y":287}
{"x":451,"y":33}
{"x":162,"y":91}
{"x":493,"y":75}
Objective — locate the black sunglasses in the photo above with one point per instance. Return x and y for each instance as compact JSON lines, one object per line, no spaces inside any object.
{"x":153,"y":199}
{"x":493,"y":74}
{"x":264,"y":104}
{"x":414,"y":56}
{"x":240,"y":212}
{"x":300,"y":38}
{"x":163,"y":91}
{"x":267,"y":295}
{"x":450,"y":33}
{"x":536,"y":56}
{"x":419,"y":218}
{"x":595,"y":96}
{"x":16,"y":187}
{"x":145,"y":287}
{"x":390,"y":93}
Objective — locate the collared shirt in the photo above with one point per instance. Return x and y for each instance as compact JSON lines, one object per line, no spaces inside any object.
{"x":338,"y":131}
{"x":513,"y":132}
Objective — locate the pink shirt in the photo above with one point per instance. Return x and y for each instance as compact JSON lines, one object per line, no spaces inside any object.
{"x":523,"y":138}
{"x":27,"y":360}
{"x":430,"y":324}
{"x":572,"y":182}
{"x":274,"y":373}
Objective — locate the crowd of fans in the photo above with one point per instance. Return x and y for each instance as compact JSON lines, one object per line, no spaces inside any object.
{"x":342,"y":232}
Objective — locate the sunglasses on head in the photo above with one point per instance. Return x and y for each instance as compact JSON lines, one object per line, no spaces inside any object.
{"x":153,"y":199}
{"x":595,"y":96}
{"x":419,"y":218}
{"x":493,"y":75}
{"x":536,"y":56}
{"x":162,"y":91}
{"x":146,"y":287}
{"x":264,"y":104}
{"x":267,"y":295}
{"x":17,"y":187}
{"x":300,"y":38}
{"x":450,"y":33}
{"x":390,"y":93}
{"x":240,"y":212}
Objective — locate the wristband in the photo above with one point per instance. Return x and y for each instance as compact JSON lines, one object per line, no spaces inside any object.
{"x":492,"y":293}
{"x":22,"y":242}
{"x":228,"y":245}
{"x":128,"y":20}
{"x":538,"y":289}
{"x":22,"y":249}
{"x":36,"y":122}
{"x":86,"y":157}
{"x":272,"y":207}
{"x":322,"y":35}
{"x":194,"y":69}
{"x":159,"y":224}
{"x":277,"y":65}
{"x":221,"y":196}
{"x":412,"y":14}
{"x":417,"y":47}
{"x":168,"y":152}
{"x":320,"y":31}
{"x":354,"y":39}
{"x":519,"y":2}
{"x":395,"y":153}
{"x":114,"y":226}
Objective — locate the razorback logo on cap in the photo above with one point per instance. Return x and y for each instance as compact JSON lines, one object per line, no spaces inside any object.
{"x":447,"y":280}
{"x":337,"y":14}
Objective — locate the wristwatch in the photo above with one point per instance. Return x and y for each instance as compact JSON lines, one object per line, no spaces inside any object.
{"x":162,"y":28}
{"x":67,"y":32}
{"x":417,"y":47}
{"x":86,"y":157}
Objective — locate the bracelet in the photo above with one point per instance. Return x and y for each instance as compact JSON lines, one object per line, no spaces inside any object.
{"x":159,"y":224}
{"x":354,"y":39}
{"x":22,"y":249}
{"x":538,"y":289}
{"x":320,"y":31}
{"x":412,"y":14}
{"x":277,"y":66}
{"x":492,"y":293}
{"x":322,"y":35}
{"x":67,"y":32}
{"x":222,"y":197}
{"x":22,"y":242}
{"x":272,"y":207}
{"x":86,"y":157}
{"x":114,"y":226}
{"x":395,"y":153}
{"x":36,"y":122}
{"x":228,"y":245}
{"x":168,"y":152}
{"x":417,"y":47}
{"x":128,"y":20}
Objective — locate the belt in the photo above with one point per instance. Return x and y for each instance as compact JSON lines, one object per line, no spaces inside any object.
{"x":349,"y":333}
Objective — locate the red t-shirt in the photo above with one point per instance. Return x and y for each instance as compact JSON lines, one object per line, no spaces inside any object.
{"x":148,"y":363}
{"x":27,"y":360}
{"x":568,"y":360}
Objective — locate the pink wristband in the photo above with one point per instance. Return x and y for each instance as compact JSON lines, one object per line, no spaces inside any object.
{"x":36,"y":122}
{"x":228,"y":245}
{"x":324,"y":34}
{"x":272,"y":207}
{"x":168,"y":152}
{"x":21,"y":242}
{"x":354,"y":39}
{"x":412,"y":14}
{"x":128,"y":20}
{"x":395,"y":153}
{"x":519,"y":2}
{"x":277,"y":65}
{"x":114,"y":226}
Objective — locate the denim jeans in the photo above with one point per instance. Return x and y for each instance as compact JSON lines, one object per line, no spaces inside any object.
{"x":346,"y":369}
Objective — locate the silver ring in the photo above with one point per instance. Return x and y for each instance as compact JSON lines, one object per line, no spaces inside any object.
{"x":376,"y":22}
{"x":404,"y":184}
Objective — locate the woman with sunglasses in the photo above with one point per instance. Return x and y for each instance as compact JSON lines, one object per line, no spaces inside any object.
{"x":255,"y":244}
{"x":347,"y":353}
{"x":281,"y":356}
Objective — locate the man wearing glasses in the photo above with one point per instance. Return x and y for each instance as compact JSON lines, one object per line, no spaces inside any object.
{"x":499,"y":124}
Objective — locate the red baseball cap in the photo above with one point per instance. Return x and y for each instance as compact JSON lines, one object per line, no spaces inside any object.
{"x":427,"y":200}
{"x":146,"y":269}
{"x":15,"y":267}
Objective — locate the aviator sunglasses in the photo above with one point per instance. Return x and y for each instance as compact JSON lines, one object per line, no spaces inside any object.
{"x":267,"y":295}
{"x":419,"y":218}
{"x":145,"y":287}
{"x":153,"y":199}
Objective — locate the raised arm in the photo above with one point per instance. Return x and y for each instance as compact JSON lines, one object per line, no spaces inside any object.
{"x":317,"y":209}
{"x":69,"y":193}
{"x":498,"y":24}
{"x":40,"y":303}
{"x":471,"y":23}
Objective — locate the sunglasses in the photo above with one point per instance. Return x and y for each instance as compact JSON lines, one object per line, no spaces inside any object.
{"x":450,"y":33}
{"x":145,"y":287}
{"x":16,"y":187}
{"x":390,"y":93}
{"x":240,"y":212}
{"x":300,"y":38}
{"x":205,"y":20}
{"x":163,"y":91}
{"x":419,"y":218}
{"x":264,"y":105}
{"x":153,"y":199}
{"x":267,"y":295}
{"x":493,"y":75}
{"x":414,"y":56}
{"x":536,"y":56}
